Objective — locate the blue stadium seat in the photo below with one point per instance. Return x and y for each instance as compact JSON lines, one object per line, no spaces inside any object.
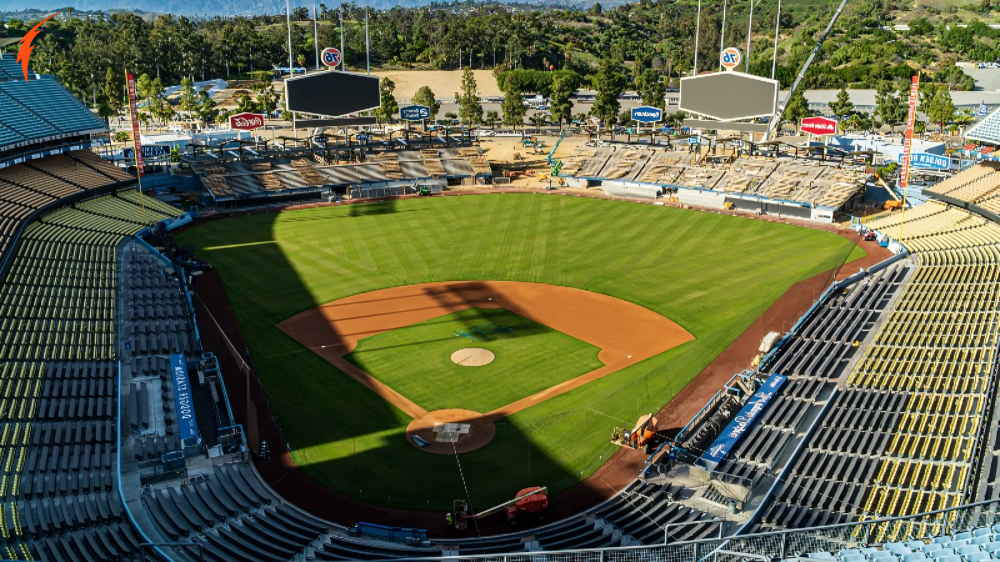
{"x":821,"y":556}
{"x":977,"y":556}
{"x":929,"y":548}
{"x":964,"y":536}
{"x":982,"y":539}
{"x":915,"y":545}
{"x":915,"y":557}
{"x":982,"y":532}
{"x":968,"y":549}
{"x":852,"y":557}
{"x":882,"y":554}
{"x":897,"y":548}
{"x":942,"y":553}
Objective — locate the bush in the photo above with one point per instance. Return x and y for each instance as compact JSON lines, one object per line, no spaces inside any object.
{"x":538,"y":81}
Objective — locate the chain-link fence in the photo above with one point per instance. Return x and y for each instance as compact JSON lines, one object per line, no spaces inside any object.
{"x":776,"y":545}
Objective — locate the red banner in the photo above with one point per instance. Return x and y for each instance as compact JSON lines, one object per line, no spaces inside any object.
{"x":904,"y":178}
{"x":136,"y":142}
{"x":246,"y":121}
{"x":819,"y":126}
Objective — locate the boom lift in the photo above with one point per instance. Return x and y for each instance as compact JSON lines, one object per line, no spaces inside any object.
{"x":529,"y":502}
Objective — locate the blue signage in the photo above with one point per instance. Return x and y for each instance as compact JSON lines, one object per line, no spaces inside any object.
{"x":927,"y":161}
{"x":743,"y":422}
{"x":183,"y":401}
{"x":321,"y":139}
{"x":982,"y":108}
{"x":361,"y":137}
{"x":647,"y":114}
{"x":147,"y":151}
{"x":414,"y":113}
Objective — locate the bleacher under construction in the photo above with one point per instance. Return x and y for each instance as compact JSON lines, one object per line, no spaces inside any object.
{"x":798,"y":188}
{"x":228,"y":181}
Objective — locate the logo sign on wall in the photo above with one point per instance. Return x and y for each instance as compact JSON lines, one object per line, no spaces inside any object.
{"x":321,"y":139}
{"x":414,"y":113}
{"x":647,"y":114}
{"x":730,"y":58}
{"x":330,"y":56}
{"x":927,"y":161}
{"x":819,"y":126}
{"x":246,"y":121}
{"x":745,"y":419}
{"x":148,"y":151}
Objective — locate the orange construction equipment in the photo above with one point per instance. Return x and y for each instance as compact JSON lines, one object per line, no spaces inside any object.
{"x":642,"y":435}
{"x":896,"y":203}
{"x":530,"y":502}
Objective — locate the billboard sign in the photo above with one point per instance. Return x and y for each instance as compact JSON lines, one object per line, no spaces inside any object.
{"x":414,"y":113}
{"x":246,"y":121}
{"x":730,"y":58}
{"x":819,"y":126}
{"x":745,"y":419}
{"x":183,"y":400}
{"x":729,"y":96}
{"x":332,"y":93}
{"x":927,"y":161}
{"x":330,"y":56}
{"x":647,"y":114}
{"x":150,"y":151}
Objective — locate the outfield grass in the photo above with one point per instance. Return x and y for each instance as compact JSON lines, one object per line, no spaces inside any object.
{"x":530,"y":357}
{"x":712,"y":274}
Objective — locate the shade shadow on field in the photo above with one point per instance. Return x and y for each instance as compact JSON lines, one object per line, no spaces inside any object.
{"x":354,"y":440}
{"x":384,"y":207}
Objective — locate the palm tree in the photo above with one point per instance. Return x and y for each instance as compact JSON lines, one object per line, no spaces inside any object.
{"x":301,"y":59}
{"x":964,"y":117}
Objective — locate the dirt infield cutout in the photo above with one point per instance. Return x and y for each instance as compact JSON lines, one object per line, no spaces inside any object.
{"x":625,"y":332}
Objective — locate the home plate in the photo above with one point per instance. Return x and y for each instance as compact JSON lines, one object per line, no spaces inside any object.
{"x":449,"y":432}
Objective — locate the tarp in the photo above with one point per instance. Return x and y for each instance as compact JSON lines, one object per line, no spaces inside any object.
{"x":186,"y":421}
{"x":744,"y":421}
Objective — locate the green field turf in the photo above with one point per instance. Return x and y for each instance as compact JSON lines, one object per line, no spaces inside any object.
{"x":530,"y":357}
{"x":712,"y":274}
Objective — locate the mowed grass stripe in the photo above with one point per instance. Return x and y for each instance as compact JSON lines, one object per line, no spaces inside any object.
{"x":710,"y":273}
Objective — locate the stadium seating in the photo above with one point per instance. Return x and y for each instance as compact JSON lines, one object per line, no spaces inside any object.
{"x":59,"y":395}
{"x":52,"y":104}
{"x":902,"y":437}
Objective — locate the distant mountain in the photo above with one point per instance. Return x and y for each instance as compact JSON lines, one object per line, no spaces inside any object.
{"x":16,"y":8}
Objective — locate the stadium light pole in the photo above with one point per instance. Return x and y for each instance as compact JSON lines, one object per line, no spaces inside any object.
{"x":316,"y":33}
{"x":697,"y":31}
{"x":777,"y":27}
{"x":343,"y":53}
{"x":368,"y":52}
{"x":749,"y":35}
{"x":722,"y":36}
{"x":288,"y":17}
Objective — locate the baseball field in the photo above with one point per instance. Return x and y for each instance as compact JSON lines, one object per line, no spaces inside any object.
{"x":378,"y":350}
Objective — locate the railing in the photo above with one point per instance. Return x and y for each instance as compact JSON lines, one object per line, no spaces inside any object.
{"x":775,"y":545}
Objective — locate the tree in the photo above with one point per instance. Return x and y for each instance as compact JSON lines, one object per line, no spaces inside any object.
{"x":889,"y":105}
{"x":841,"y":107}
{"x":651,"y":89}
{"x":205,"y":108}
{"x":609,"y":83}
{"x":491,"y":118}
{"x":469,"y":108}
{"x":595,"y":10}
{"x":796,"y":109}
{"x":388,"y":106}
{"x":301,"y":59}
{"x":941,"y":108}
{"x":112,"y":92}
{"x":560,"y":104}
{"x":425,"y":96}
{"x":513,"y":108}
{"x":188,"y":99}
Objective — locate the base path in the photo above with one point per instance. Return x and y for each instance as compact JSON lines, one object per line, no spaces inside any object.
{"x":626,"y":333}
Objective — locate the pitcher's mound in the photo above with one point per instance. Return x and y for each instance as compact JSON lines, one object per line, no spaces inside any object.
{"x":472,"y":357}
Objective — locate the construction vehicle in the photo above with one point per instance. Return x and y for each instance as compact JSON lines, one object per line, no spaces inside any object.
{"x":642,"y":435}
{"x":896,"y":203}
{"x":528,"y":503}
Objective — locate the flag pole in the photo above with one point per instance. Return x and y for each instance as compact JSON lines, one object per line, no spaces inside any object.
{"x":136,"y":143}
